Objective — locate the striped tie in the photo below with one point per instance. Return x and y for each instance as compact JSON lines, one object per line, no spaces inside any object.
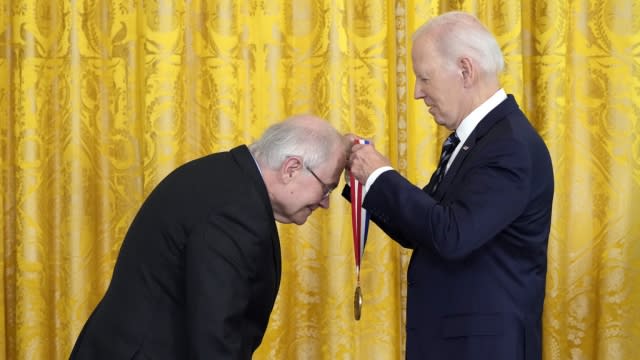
{"x":447,"y":149}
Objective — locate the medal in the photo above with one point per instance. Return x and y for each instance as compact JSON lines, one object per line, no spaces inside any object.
{"x":357,"y":303}
{"x":360,"y":225}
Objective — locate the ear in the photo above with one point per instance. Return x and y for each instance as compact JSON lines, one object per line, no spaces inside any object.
{"x":290,"y":167}
{"x":468,"y":71}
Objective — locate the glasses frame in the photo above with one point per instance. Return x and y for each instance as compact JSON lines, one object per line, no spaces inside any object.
{"x":326,"y":188}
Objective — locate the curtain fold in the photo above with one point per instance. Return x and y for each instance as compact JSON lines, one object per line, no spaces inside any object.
{"x":100,"y":99}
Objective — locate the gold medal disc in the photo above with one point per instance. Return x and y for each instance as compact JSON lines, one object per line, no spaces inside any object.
{"x":357,"y":303}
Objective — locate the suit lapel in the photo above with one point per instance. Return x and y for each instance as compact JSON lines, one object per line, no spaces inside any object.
{"x":484,"y":126}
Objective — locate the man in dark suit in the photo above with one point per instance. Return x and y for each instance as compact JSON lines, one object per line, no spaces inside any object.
{"x":479,"y":229}
{"x":199,"y":268}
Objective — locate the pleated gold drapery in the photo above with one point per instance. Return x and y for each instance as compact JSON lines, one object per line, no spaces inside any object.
{"x":100,"y":99}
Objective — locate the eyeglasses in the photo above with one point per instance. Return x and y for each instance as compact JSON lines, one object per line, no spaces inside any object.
{"x":326,"y":189}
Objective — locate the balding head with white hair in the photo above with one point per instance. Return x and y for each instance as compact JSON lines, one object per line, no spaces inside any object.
{"x":457,"y":63}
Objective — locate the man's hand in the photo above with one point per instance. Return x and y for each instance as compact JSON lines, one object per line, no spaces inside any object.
{"x":364,"y":160}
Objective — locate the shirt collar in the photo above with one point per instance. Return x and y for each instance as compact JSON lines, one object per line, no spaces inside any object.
{"x":473,"y":119}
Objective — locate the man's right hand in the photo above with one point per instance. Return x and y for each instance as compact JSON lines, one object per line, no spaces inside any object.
{"x":363,"y":160}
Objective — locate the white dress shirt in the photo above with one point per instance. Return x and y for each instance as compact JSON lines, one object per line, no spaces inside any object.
{"x":466,"y":127}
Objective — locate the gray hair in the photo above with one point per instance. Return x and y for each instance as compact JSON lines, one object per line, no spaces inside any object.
{"x":461,"y":34}
{"x":306,"y":136}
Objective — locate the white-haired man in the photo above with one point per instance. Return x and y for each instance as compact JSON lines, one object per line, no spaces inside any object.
{"x":199,"y":269}
{"x":479,"y":229}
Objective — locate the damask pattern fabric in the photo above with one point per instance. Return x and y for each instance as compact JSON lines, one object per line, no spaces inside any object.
{"x":100,"y":99}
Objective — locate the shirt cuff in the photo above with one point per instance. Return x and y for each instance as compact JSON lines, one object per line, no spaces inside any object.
{"x":374,"y":176}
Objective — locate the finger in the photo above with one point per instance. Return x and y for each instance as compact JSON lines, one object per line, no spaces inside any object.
{"x":356,"y":147}
{"x":350,"y":137}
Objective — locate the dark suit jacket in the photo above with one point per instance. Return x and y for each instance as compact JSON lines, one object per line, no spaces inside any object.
{"x":198,"y":271}
{"x":476,"y":280}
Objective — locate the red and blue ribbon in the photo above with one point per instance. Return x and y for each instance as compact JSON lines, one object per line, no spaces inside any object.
{"x":359,"y":217}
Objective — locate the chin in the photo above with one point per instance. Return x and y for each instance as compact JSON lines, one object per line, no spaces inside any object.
{"x":301,"y":218}
{"x":300,"y":221}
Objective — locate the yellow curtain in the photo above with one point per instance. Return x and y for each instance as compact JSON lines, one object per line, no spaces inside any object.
{"x":99,"y":99}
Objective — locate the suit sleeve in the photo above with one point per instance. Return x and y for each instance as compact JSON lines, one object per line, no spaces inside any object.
{"x":218,"y":267}
{"x":389,"y":228}
{"x":484,"y":201}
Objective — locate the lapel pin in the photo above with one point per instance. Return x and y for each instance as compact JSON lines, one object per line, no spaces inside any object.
{"x":465,"y":148}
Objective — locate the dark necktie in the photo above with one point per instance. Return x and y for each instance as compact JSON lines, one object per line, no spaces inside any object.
{"x":447,"y":149}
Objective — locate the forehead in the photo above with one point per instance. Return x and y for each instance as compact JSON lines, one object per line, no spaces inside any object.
{"x":424,"y":52}
{"x":336,"y":161}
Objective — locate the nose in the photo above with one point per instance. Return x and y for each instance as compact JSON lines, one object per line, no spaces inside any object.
{"x":417,"y":92}
{"x":324,"y":203}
